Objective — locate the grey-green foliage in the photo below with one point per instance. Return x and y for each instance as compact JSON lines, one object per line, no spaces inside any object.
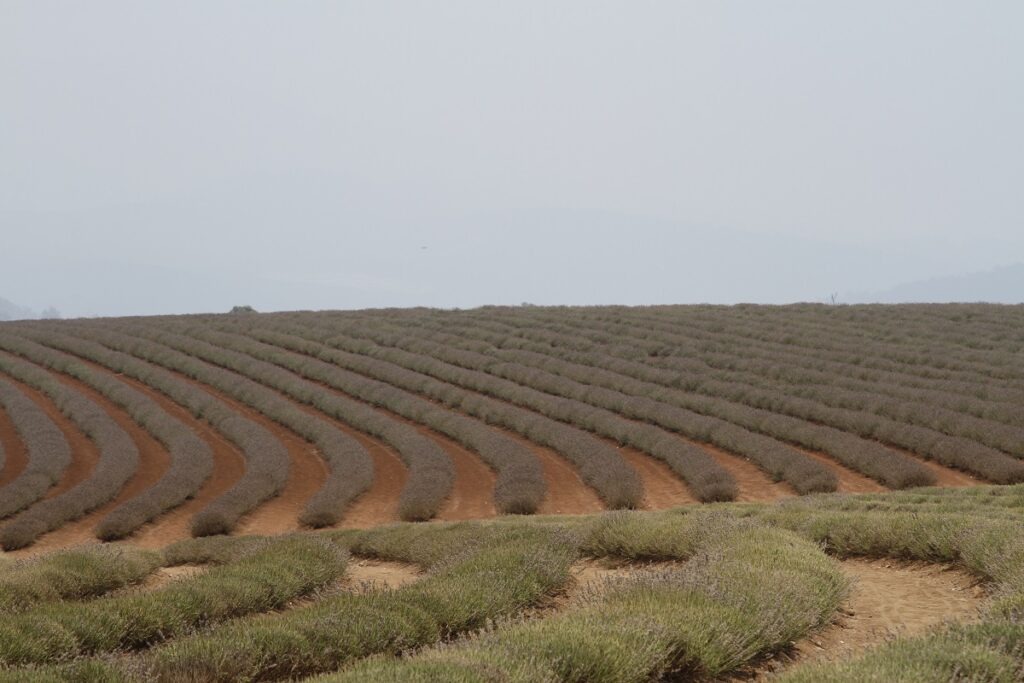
{"x":431,"y":471}
{"x":72,"y":574}
{"x":747,"y":590}
{"x":119,"y":457}
{"x":191,"y":460}
{"x":47,"y":450}
{"x":351,"y":468}
{"x":267,"y":461}
{"x":474,"y":574}
{"x":600,"y":465}
{"x":267,"y":577}
{"x":520,"y":482}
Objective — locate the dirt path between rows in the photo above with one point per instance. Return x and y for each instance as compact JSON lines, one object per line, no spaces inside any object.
{"x":14,"y":449}
{"x":591,"y":579}
{"x":472,"y":495}
{"x":366,"y":575}
{"x":153,"y":463}
{"x":944,"y":476}
{"x":228,"y":467}
{"x":889,"y":598}
{"x":663,"y":489}
{"x":307,"y":472}
{"x":379,"y":505}
{"x":567,"y":493}
{"x":84,"y":454}
{"x":472,"y":492}
{"x":850,"y":481}
{"x":752,"y":483}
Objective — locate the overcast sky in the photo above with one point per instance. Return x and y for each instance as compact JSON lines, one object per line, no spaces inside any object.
{"x":188,"y":156}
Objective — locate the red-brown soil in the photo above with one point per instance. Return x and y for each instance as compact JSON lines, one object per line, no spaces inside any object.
{"x":84,"y":454}
{"x":662,"y":488}
{"x":850,"y":481}
{"x":944,"y":476}
{"x":14,"y":450}
{"x":472,"y":495}
{"x":754,"y":485}
{"x":306,"y":474}
{"x":228,"y":467}
{"x":888,"y":599}
{"x":379,"y":504}
{"x":567,"y":494}
{"x":153,"y":462}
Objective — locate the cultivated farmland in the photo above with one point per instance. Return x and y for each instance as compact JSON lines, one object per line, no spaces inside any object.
{"x":515,"y":494}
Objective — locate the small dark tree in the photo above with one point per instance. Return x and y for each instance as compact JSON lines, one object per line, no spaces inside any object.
{"x":235,"y":310}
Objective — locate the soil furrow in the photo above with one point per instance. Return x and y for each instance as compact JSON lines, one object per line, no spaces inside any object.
{"x":228,"y":467}
{"x":84,"y":453}
{"x":850,"y":481}
{"x":753,"y":484}
{"x":472,"y":495}
{"x":153,"y":462}
{"x":379,"y":504}
{"x":567,"y":493}
{"x":888,"y":599}
{"x":944,"y":476}
{"x":662,"y":488}
{"x":14,"y":449}
{"x":307,"y":472}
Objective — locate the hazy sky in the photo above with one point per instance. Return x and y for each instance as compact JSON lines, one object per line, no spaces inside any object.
{"x":186,"y":156}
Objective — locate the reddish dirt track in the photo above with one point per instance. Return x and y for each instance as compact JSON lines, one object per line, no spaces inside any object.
{"x":228,"y":467}
{"x":850,"y":481}
{"x":754,"y":485}
{"x":662,"y":488}
{"x":84,"y":453}
{"x":472,"y":495}
{"x":379,"y":504}
{"x":944,"y":476}
{"x":567,"y":494}
{"x":306,"y":474}
{"x":153,"y":462}
{"x":888,"y":599}
{"x":14,"y":450}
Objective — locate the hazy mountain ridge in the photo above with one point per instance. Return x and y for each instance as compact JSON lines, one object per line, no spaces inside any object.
{"x":11,"y":311}
{"x":1004,"y":285}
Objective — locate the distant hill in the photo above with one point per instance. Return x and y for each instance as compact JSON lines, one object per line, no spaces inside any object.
{"x":1003,"y":285}
{"x":11,"y":311}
